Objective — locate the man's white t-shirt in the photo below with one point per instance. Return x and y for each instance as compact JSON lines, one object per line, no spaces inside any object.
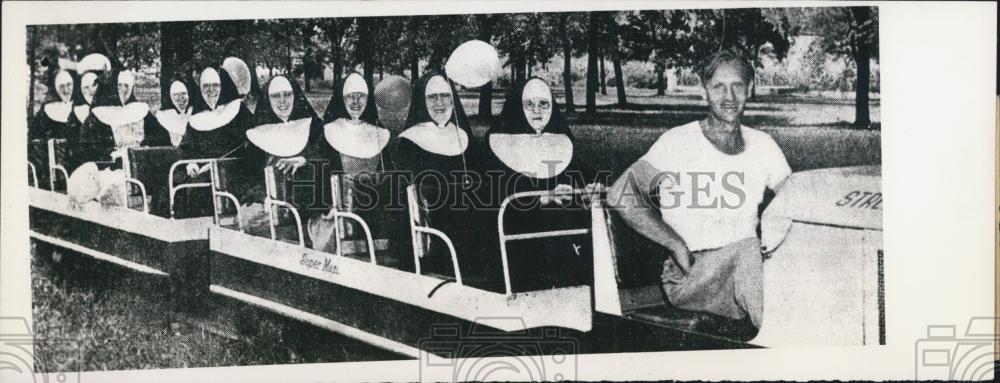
{"x":708,"y":197}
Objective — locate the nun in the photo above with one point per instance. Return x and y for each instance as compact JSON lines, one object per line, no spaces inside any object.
{"x":355,"y":146}
{"x":115,"y":122}
{"x":82,"y":102}
{"x":52,"y":118}
{"x":532,"y":149}
{"x":439,"y":154}
{"x":175,"y":111}
{"x":286,"y":133}
{"x":217,"y":124}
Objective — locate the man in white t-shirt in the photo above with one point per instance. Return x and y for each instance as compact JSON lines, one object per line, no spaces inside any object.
{"x":710,"y":176}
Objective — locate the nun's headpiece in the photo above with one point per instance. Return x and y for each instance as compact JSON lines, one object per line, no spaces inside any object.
{"x":418,"y":107}
{"x":107,"y":89}
{"x":227,"y":91}
{"x":512,"y":119}
{"x":337,"y":108}
{"x":174,"y":81}
{"x":61,"y":77}
{"x":300,"y":109}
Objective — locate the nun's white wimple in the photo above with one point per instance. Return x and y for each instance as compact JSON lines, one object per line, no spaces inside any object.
{"x":177,"y":87}
{"x":63,"y":78}
{"x":437,"y":85}
{"x":210,"y":76}
{"x":536,"y":88}
{"x":355,"y":84}
{"x":279,"y":84}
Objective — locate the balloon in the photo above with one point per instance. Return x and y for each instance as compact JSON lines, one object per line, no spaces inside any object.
{"x":94,"y":62}
{"x":473,"y":64}
{"x":83,"y":185}
{"x":392,"y":97}
{"x":240,"y":73}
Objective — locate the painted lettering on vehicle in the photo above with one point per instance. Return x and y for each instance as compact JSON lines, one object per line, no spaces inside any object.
{"x":861,"y":200}
{"x":326,"y":265}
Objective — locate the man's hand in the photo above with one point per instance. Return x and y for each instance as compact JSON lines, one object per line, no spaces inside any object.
{"x":289,"y":165}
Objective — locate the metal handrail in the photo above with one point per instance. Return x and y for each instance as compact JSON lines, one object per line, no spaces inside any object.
{"x":415,"y":230}
{"x":269,"y":202}
{"x":214,"y":173}
{"x":127,"y":169}
{"x":34,"y":174}
{"x":337,"y":215}
{"x":53,"y":166}
{"x":504,"y":238}
{"x":191,"y":185}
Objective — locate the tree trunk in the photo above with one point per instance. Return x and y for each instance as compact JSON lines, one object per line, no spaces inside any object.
{"x":862,"y":59}
{"x":32,"y":65}
{"x":336,"y":59}
{"x":616,"y":62}
{"x":567,"y":62}
{"x":176,"y":49}
{"x":486,"y":91}
{"x":591,"y":108}
{"x":364,"y":43}
{"x":306,"y":69}
{"x":604,"y":78}
{"x":660,"y":84}
{"x":412,"y":26}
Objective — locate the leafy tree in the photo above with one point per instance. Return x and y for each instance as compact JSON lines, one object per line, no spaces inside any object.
{"x":853,"y":33}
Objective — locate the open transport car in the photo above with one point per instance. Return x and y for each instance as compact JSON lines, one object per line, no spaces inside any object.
{"x":127,"y":234}
{"x":822,"y":273}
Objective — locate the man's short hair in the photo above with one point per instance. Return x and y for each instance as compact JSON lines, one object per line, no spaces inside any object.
{"x":713,"y":62}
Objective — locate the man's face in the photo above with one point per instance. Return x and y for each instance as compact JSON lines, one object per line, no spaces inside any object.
{"x":727,"y":92}
{"x":180,"y":99}
{"x":281,"y":103}
{"x":356,"y":103}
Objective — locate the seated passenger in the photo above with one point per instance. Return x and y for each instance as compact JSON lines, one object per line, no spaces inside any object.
{"x":285,"y":134}
{"x":214,"y":130}
{"x":175,"y":111}
{"x":355,"y":148}
{"x":711,"y":176}
{"x":440,"y":155}
{"x":531,"y":149}
{"x":52,"y":118}
{"x":116,"y":122}
{"x":83,"y":99}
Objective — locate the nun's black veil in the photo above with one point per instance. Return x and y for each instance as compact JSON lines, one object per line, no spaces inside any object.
{"x":52,"y":94}
{"x":336,"y":108}
{"x":78,"y":98}
{"x":227,"y":93}
{"x":166,"y":103}
{"x":513,"y":121}
{"x":107,"y":91}
{"x":418,"y":106}
{"x":300,"y":108}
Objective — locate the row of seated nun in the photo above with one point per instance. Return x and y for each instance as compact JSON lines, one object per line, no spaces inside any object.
{"x":531,"y":148}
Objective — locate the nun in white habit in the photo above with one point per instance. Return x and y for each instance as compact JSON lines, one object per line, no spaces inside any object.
{"x":51,"y":120}
{"x":175,"y":111}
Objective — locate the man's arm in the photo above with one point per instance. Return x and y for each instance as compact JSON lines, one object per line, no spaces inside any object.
{"x":630,"y":197}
